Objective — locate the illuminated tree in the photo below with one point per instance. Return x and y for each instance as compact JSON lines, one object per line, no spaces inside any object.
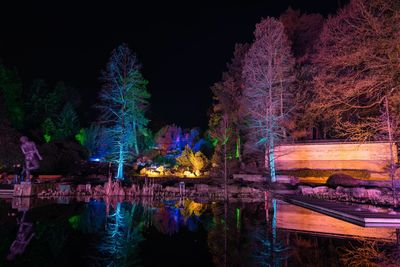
{"x":169,"y":138}
{"x":123,"y":101}
{"x":223,"y":134}
{"x":267,"y":72}
{"x":53,"y":109}
{"x":303,"y":31}
{"x":227,"y":95}
{"x":359,"y":67}
{"x":95,"y":140}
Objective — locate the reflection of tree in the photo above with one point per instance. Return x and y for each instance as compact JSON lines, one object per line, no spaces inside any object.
{"x":367,"y":252}
{"x":216,"y":235}
{"x":269,"y":251}
{"x":92,"y":219}
{"x":228,"y":239}
{"x":167,"y":220}
{"x":119,"y":244}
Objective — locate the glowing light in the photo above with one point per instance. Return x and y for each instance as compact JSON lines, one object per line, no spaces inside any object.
{"x":47,"y":137}
{"x":237,"y":153}
{"x":238,"y":218}
{"x":74,"y":220}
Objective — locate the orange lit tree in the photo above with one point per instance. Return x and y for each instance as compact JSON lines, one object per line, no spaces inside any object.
{"x":358,"y":71}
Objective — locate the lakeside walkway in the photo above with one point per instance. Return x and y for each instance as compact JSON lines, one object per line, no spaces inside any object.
{"x":359,"y":214}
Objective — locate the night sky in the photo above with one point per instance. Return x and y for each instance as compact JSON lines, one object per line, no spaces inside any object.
{"x":183,"y":48}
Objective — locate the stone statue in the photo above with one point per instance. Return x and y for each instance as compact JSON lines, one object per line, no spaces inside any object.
{"x":32,"y":156}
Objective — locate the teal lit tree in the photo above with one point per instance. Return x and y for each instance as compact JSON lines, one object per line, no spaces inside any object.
{"x":123,"y":103}
{"x":267,"y":73}
{"x":123,"y":233}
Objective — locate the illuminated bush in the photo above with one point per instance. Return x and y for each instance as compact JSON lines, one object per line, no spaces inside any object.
{"x":195,"y":161}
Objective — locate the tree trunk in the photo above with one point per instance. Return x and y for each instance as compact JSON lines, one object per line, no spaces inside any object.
{"x":134,"y":134}
{"x":225,"y":174}
{"x":120,"y":171}
{"x":392,"y":165}
{"x":271,"y":158}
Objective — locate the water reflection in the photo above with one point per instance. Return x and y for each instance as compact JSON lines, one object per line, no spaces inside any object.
{"x":184,"y":232}
{"x":24,"y":236}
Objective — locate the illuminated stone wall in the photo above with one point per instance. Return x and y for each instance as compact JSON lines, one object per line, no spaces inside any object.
{"x":353,"y":156}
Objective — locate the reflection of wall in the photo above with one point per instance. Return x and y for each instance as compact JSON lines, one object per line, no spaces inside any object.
{"x":291,"y":217}
{"x":356,"y":156}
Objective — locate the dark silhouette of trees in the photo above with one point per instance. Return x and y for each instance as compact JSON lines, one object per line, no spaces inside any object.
{"x":11,"y":89}
{"x":226,"y":112}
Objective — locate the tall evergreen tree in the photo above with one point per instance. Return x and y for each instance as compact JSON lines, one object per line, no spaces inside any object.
{"x":227,"y":94}
{"x":123,"y":102}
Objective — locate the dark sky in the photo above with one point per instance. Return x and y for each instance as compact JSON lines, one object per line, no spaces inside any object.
{"x":183,"y":47}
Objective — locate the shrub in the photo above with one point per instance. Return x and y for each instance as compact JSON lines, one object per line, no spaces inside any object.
{"x":195,"y":161}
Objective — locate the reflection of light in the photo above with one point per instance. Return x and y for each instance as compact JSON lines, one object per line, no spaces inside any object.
{"x":94,"y":159}
{"x":291,"y":217}
{"x":238,"y":218}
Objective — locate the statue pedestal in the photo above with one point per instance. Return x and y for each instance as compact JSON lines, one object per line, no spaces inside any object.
{"x":27,"y":189}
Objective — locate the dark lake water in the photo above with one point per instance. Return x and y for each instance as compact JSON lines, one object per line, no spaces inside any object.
{"x":183,"y":232}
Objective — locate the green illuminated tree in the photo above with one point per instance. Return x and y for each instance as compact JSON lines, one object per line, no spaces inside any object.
{"x":123,"y":103}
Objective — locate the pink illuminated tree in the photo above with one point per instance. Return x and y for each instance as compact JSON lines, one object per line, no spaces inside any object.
{"x":358,"y":74}
{"x":267,"y":74}
{"x":359,"y":67}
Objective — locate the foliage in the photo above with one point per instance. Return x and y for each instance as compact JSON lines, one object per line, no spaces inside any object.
{"x":367,"y":253}
{"x":49,"y":129}
{"x":227,"y":95}
{"x":358,"y":66}
{"x":11,"y":90}
{"x":303,"y":31}
{"x":171,"y":137}
{"x":160,"y":160}
{"x":95,"y":140}
{"x":123,"y":102}
{"x":61,"y":157}
{"x":267,"y":73}
{"x":193,"y":160}
{"x":10,"y":153}
{"x":43,"y":103}
{"x":67,"y":122}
